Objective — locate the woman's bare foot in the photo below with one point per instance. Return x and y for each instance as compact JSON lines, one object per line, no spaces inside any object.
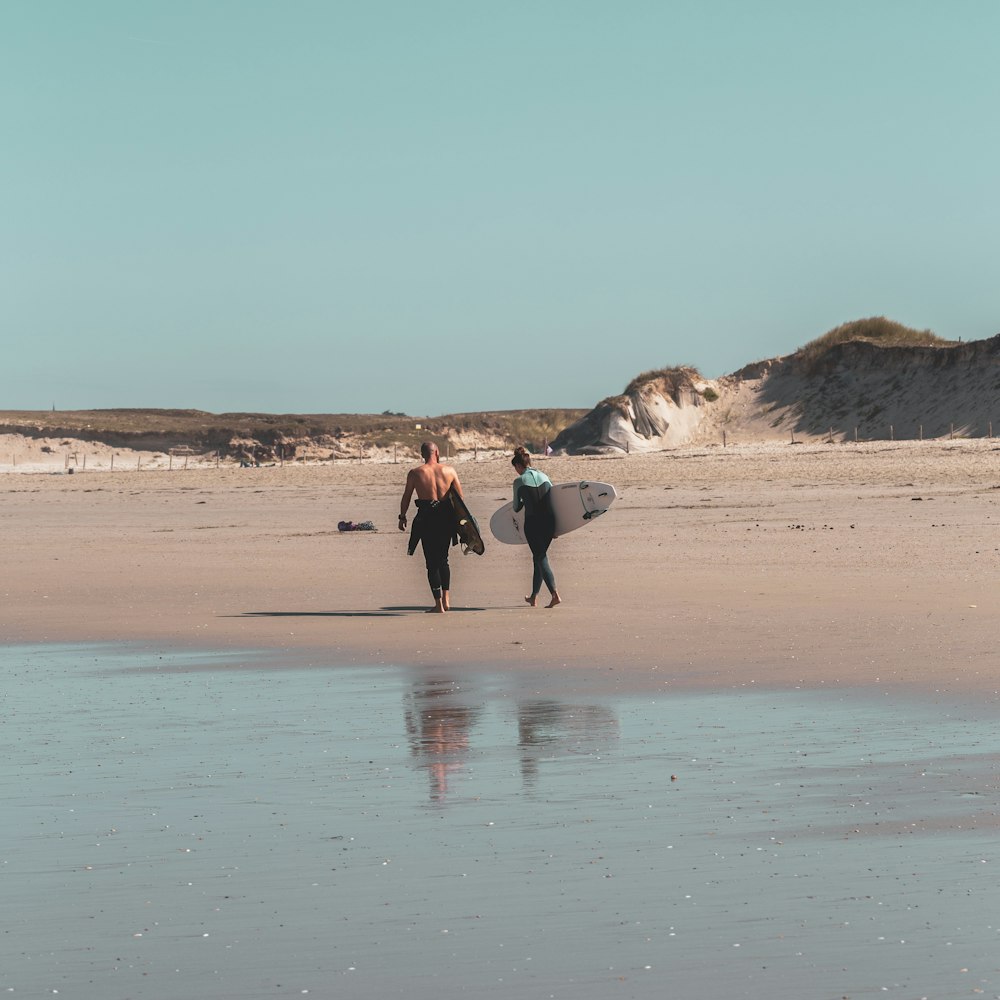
{"x":445,"y":603}
{"x":531,"y":601}
{"x":556,"y":599}
{"x":438,"y":609}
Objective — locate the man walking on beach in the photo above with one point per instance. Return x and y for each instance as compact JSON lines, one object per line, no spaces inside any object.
{"x":434,"y":524}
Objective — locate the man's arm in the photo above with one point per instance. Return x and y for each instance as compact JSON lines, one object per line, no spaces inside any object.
{"x":404,"y":504}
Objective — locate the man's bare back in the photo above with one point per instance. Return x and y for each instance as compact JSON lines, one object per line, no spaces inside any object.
{"x":430,"y":481}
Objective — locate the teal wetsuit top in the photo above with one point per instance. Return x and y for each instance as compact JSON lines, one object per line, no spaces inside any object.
{"x":531,"y":491}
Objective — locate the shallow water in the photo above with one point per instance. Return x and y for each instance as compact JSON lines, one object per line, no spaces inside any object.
{"x":197,"y":826}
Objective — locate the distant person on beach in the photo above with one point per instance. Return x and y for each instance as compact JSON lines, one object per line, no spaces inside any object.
{"x":532,"y":491}
{"x":434,"y":523}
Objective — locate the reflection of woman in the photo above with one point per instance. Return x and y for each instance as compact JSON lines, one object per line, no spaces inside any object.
{"x":532,"y":491}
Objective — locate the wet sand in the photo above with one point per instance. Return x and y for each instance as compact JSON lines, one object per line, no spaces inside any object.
{"x":753,"y":754}
{"x":185,"y":825}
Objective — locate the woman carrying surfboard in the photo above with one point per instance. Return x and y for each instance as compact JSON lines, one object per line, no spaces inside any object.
{"x":532,"y":491}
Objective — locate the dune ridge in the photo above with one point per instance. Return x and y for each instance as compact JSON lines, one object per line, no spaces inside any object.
{"x":868,"y":380}
{"x":855,"y":389}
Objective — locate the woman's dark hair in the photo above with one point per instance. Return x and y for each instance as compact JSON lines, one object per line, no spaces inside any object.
{"x":521,"y":457}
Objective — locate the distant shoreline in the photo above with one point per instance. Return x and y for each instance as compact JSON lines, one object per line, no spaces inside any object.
{"x":78,"y":456}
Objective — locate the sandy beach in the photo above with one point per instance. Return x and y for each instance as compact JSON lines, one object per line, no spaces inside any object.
{"x":752,"y":755}
{"x":768,"y":565}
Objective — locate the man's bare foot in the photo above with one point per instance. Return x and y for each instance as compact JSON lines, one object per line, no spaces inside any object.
{"x":446,"y":604}
{"x":438,"y":609}
{"x":531,"y":601}
{"x":556,"y":599}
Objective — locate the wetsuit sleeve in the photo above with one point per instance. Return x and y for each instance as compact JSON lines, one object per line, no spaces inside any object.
{"x":518,"y":502}
{"x":416,"y":527}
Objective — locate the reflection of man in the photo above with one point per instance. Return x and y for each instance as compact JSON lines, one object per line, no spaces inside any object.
{"x":438,"y":728}
{"x":434,"y":524}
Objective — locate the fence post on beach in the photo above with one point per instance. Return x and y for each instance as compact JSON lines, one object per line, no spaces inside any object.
{"x":855,"y":435}
{"x":952,"y":435}
{"x":112,"y":461}
{"x":921,"y":432}
{"x":170,"y":462}
{"x":138,"y":463}
{"x":990,"y":426}
{"x":892,"y":433}
{"x":185,"y":461}
{"x":84,"y":461}
{"x":723,"y":439}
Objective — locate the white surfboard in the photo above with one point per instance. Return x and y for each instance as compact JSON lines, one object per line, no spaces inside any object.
{"x":575,"y":504}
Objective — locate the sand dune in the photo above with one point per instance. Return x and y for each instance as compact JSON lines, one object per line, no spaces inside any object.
{"x":858,"y":391}
{"x":855,"y":389}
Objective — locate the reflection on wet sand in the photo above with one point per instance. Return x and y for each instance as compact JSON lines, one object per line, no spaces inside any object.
{"x":546,"y":728}
{"x":222,"y":832}
{"x":440,"y":715}
{"x":438,"y":725}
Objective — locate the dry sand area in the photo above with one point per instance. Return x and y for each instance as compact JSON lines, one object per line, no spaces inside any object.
{"x":768,"y":565}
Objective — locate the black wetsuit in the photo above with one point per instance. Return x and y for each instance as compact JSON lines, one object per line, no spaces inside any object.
{"x":532,"y":491}
{"x":434,"y":526}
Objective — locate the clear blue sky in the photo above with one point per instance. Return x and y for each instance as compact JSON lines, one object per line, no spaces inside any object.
{"x":431,"y":207}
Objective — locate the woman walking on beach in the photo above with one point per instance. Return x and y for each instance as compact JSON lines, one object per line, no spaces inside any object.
{"x":532,"y":491}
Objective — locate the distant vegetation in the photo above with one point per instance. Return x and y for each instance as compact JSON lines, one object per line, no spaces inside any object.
{"x":531,"y":428}
{"x":874,"y":330}
{"x":196,"y":428}
{"x":670,"y":379}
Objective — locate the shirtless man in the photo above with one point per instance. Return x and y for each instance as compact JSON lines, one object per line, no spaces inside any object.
{"x":434,"y":522}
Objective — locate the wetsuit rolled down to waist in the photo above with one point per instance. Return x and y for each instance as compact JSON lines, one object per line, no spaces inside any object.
{"x":434,"y":528}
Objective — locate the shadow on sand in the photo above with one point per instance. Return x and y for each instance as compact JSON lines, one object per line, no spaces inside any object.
{"x":396,"y":611}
